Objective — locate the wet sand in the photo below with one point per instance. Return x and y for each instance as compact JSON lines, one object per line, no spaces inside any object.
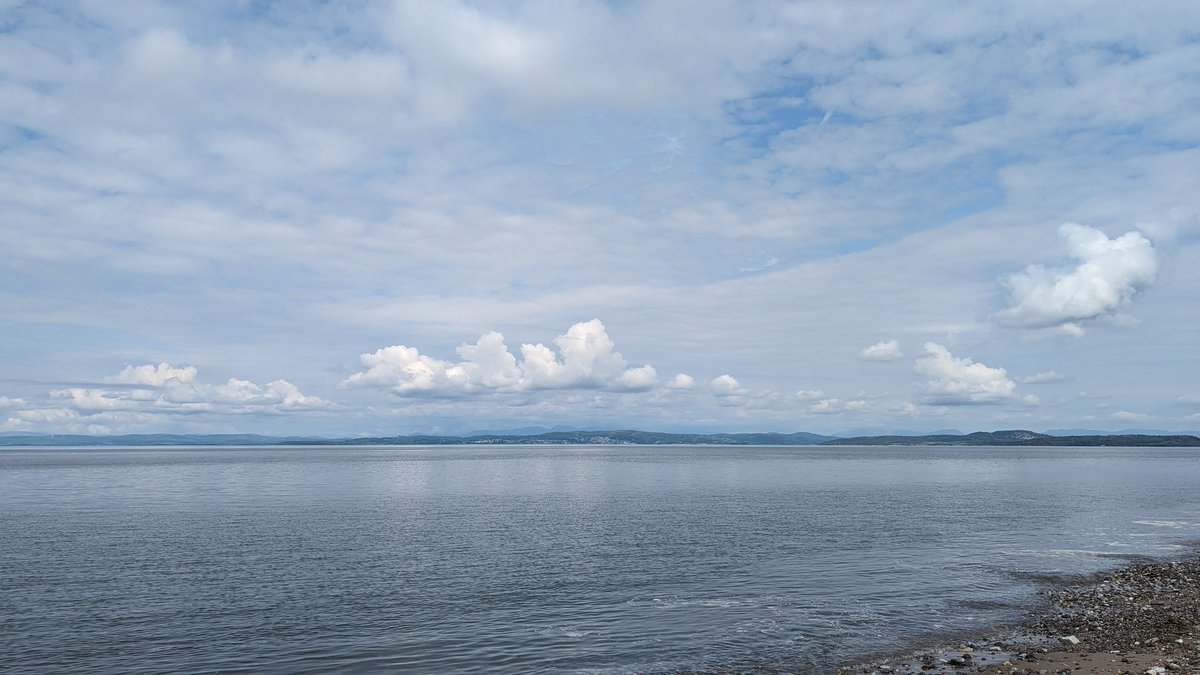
{"x":1143,"y":618}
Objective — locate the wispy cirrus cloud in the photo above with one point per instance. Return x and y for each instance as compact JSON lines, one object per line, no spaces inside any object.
{"x":1046,"y":377}
{"x":756,"y":188}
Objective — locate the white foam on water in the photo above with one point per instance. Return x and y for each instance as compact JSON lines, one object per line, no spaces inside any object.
{"x":719,"y":603}
{"x":1058,"y":553}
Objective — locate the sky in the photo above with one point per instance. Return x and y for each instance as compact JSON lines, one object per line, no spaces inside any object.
{"x":393,"y":217}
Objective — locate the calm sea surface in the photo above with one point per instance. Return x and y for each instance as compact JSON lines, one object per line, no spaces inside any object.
{"x":550,"y":559}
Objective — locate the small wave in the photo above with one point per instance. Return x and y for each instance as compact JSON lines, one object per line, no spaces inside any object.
{"x":719,"y":603}
{"x":1062,"y":553}
{"x":1174,"y":524}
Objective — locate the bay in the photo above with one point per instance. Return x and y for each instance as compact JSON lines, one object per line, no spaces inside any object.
{"x":552,"y":559}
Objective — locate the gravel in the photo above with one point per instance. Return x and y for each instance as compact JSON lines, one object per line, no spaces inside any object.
{"x":1144,"y":618}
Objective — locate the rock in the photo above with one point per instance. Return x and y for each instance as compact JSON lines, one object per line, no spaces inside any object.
{"x":1157,"y":670}
{"x":1069,"y":640}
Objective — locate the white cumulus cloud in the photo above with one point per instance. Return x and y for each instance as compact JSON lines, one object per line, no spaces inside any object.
{"x":638,"y":379}
{"x":726,"y":385}
{"x":1109,"y":274}
{"x":682,"y":381}
{"x":166,"y":388}
{"x":146,"y":397}
{"x":585,"y":357}
{"x":279,"y":393}
{"x":888,"y":350}
{"x":152,"y":375}
{"x":950,"y":379}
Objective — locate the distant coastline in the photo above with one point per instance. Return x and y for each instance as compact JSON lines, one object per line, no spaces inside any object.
{"x":1022,"y":438}
{"x":1010,"y":438}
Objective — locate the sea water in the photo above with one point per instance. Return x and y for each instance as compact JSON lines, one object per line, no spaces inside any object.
{"x":605,"y":559}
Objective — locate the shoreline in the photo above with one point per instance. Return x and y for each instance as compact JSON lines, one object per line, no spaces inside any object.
{"x":1143,"y":617}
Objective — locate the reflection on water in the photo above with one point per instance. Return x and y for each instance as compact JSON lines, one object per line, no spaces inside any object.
{"x":550,"y":559}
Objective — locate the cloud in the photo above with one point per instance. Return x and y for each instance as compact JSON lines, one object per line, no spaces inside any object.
{"x":1110,"y":273}
{"x":1043,"y":378}
{"x":836,"y":406}
{"x":638,"y":379}
{"x":6,"y":402}
{"x":279,"y":394}
{"x":157,"y":396}
{"x":586,"y":358}
{"x":682,"y":381}
{"x":165,"y":388}
{"x":527,"y":159}
{"x":888,"y":350}
{"x":154,"y":376}
{"x":726,"y":385}
{"x":29,"y":420}
{"x":1129,"y":416}
{"x":961,"y":380}
{"x":406,"y":370}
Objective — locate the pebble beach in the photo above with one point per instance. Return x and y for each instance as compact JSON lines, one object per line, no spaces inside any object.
{"x":1142,"y":619}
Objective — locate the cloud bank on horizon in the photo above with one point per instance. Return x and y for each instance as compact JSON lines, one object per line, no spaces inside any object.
{"x":149,"y":394}
{"x":395,"y":216}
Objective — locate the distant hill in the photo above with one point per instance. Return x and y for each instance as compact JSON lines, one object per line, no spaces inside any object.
{"x":1019,"y":437}
{"x":620,"y":437}
{"x":139,"y":440}
{"x":1118,"y":432}
{"x":623,"y":437}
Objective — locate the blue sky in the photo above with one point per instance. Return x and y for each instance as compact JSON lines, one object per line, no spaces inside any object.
{"x":396,"y":217}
